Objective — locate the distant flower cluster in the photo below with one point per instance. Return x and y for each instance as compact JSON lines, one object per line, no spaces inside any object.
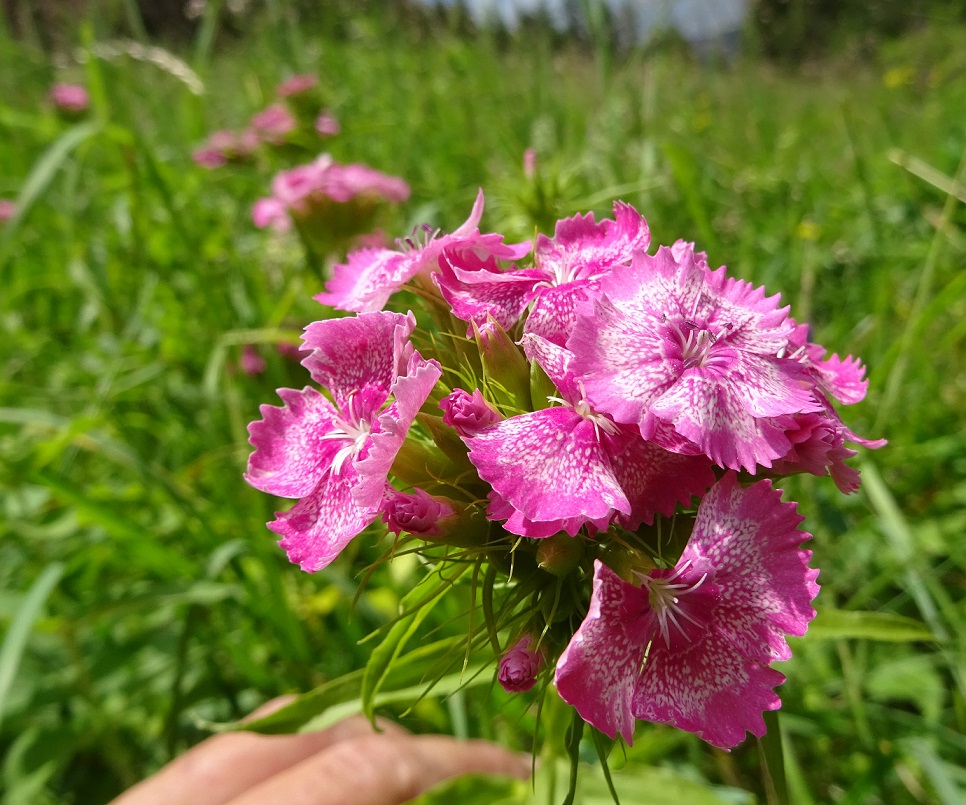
{"x":600,"y":424}
{"x":289,"y":120}
{"x":308,"y":189}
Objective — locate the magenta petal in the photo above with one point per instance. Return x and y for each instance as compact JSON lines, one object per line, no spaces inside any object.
{"x":319,"y":526}
{"x":653,"y":479}
{"x":516,"y":523}
{"x":752,"y":541}
{"x":350,"y":354}
{"x":555,"y":310}
{"x":410,"y":392}
{"x":706,"y":687}
{"x":548,"y":465}
{"x":476,"y":289}
{"x":365,"y":283}
{"x":598,"y":670}
{"x":581,"y":248}
{"x":291,"y":453}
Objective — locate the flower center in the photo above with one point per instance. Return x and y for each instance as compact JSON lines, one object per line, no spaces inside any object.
{"x":351,"y":429}
{"x":664,"y":595}
{"x":582,"y":407}
{"x":697,"y":342}
{"x":422,"y":236}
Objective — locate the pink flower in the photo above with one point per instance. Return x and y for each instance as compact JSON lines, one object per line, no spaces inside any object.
{"x":690,"y":646}
{"x":71,"y":98}
{"x":7,"y":209}
{"x":567,"y":270}
{"x":519,"y":666}
{"x":530,"y":163}
{"x":251,"y":362}
{"x":223,"y":147}
{"x":273,"y":123}
{"x":559,"y":468}
{"x":326,"y":125}
{"x":468,"y":413}
{"x":418,"y":513}
{"x":311,"y":189}
{"x":334,"y":457}
{"x":671,"y":344}
{"x":296,"y":85}
{"x":271,"y":212}
{"x":371,"y":276}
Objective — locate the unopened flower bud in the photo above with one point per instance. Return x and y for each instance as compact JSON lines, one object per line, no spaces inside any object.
{"x":418,"y":513}
{"x":468,"y":413}
{"x":559,"y":554}
{"x":505,"y":365}
{"x":519,"y":666}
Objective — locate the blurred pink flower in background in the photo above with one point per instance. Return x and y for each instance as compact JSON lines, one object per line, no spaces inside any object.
{"x":310,"y":187}
{"x":326,"y":124}
{"x":70,"y":97}
{"x":251,"y":362}
{"x":295,"y":85}
{"x":272,"y":124}
{"x":7,"y":209}
{"x":530,"y":163}
{"x":225,"y":146}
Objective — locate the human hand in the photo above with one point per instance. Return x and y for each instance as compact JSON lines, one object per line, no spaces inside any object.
{"x":346,"y":764}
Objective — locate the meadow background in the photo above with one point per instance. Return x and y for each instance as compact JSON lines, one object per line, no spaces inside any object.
{"x":141,"y":596}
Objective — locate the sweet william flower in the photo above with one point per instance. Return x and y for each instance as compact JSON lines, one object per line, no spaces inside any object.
{"x":690,"y":646}
{"x":566,"y":270}
{"x":371,"y":276}
{"x":670,"y":343}
{"x":315,"y":449}
{"x":558,"y":468}
{"x":519,"y":666}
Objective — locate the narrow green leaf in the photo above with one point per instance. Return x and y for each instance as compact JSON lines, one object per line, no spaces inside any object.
{"x":603,"y":745}
{"x":574,"y":733}
{"x":773,"y":760}
{"x":40,"y":178}
{"x":840,"y":624}
{"x":386,"y":653}
{"x":15,"y":641}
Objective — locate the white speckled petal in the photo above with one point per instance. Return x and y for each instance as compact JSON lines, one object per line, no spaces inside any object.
{"x":316,"y":529}
{"x":706,"y":687}
{"x":410,"y":392}
{"x":653,"y":479}
{"x":290,"y":453}
{"x":598,"y":670}
{"x":548,"y":465}
{"x":365,"y":283}
{"x":752,"y":541}
{"x":356,"y":352}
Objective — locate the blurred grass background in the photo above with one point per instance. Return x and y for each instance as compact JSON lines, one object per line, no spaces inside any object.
{"x":141,"y":594}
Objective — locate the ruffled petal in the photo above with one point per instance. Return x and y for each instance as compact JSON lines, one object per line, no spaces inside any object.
{"x":598,"y":670}
{"x":316,"y":529}
{"x":751,"y":542}
{"x":358,"y":352}
{"x":548,"y":465}
{"x":410,"y":392}
{"x":291,"y":453}
{"x":707,"y":687}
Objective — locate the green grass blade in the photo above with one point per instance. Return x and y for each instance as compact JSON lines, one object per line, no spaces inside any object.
{"x":15,"y":641}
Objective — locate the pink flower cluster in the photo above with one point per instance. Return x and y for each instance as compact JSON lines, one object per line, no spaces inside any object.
{"x":275,"y":125}
{"x":297,"y":192}
{"x":600,"y":398}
